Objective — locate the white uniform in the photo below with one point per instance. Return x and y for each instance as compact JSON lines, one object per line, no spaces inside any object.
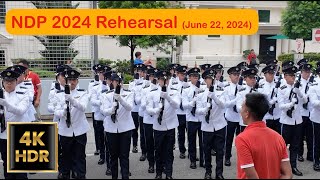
{"x":230,"y":96}
{"x":188,"y":94}
{"x":147,"y":119}
{"x":52,"y":102}
{"x":124,"y":121}
{"x":79,"y":123}
{"x":135,"y":87}
{"x":240,"y":99}
{"x":171,"y":104}
{"x":304,"y":89}
{"x":314,"y":96}
{"x":15,"y":111}
{"x":95,"y":99}
{"x":28,"y":87}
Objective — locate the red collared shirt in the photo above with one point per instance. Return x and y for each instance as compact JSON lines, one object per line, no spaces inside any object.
{"x":262,"y":148}
{"x":34,"y":78}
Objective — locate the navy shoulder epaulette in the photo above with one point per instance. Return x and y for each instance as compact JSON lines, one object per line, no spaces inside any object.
{"x":283,"y":87}
{"x":174,"y":89}
{"x":22,"y":87}
{"x":186,"y":87}
{"x":219,"y":88}
{"x":96,"y":85}
{"x":60,"y":91}
{"x":105,"y":90}
{"x":313,"y":84}
{"x":19,"y":92}
{"x":227,"y":85}
{"x":242,"y":89}
{"x":139,"y":84}
{"x":127,"y":90}
{"x":174,"y":83}
{"x":30,"y":81}
{"x":109,"y":91}
{"x":146,"y":87}
{"x":201,"y":91}
{"x":92,"y":81}
{"x":29,"y":84}
{"x":81,"y":90}
{"x":51,"y":89}
{"x":153,"y":90}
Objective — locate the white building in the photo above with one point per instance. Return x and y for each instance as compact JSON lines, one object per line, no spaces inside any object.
{"x":226,"y":49}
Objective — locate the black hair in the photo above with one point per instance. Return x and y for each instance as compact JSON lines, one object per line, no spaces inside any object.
{"x":24,"y":61}
{"x":137,"y":54}
{"x":257,"y":104}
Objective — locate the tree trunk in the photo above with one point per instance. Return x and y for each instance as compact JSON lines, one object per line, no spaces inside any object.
{"x":132,"y":47}
{"x":304,"y":45}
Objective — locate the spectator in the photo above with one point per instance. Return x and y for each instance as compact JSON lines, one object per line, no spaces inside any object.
{"x":34,"y":78}
{"x":138,"y":59}
{"x":261,"y":151}
{"x":252,"y":57}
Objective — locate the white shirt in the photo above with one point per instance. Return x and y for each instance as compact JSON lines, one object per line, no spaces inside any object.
{"x":240,"y":99}
{"x":147,"y":119}
{"x":17,"y":113}
{"x":95,"y":99}
{"x":52,"y":102}
{"x":216,"y":118}
{"x":187,"y":96}
{"x":230,"y":96}
{"x":79,"y":123}
{"x":314,"y":96}
{"x":27,"y":87}
{"x":124,"y":121}
{"x":136,"y":87}
{"x":169,"y":118}
{"x":304,"y":83}
{"x":284,"y":102}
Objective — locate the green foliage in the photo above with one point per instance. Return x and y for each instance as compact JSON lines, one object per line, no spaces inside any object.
{"x":127,"y":78}
{"x":107,"y":62}
{"x":246,"y":53}
{"x":299,"y":18}
{"x":43,"y":73}
{"x":163,"y":64}
{"x":290,"y":57}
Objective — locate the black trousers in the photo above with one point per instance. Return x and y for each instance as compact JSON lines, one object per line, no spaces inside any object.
{"x":241,"y":128}
{"x":148,"y":131}
{"x":274,"y":124}
{"x":119,"y":146}
{"x":74,"y":150}
{"x":95,"y":131}
{"x":182,"y":128}
{"x":164,"y":141}
{"x":100,"y":138}
{"x":3,"y":152}
{"x":107,"y":150}
{"x":232,"y":128}
{"x":142,"y":136}
{"x":216,"y":140}
{"x":316,"y":142}
{"x":193,"y":129}
{"x":59,"y":155}
{"x":292,"y":135}
{"x":135,"y":117}
{"x":306,"y":134}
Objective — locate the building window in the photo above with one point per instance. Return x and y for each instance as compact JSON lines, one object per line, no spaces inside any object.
{"x":264,"y":16}
{"x":2,"y":58}
{"x":2,"y":12}
{"x":213,"y":36}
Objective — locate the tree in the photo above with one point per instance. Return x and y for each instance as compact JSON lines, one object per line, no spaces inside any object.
{"x":161,"y":42}
{"x":57,"y":48}
{"x":299,"y":18}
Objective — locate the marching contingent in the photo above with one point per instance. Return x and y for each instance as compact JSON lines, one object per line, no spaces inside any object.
{"x":196,"y":105}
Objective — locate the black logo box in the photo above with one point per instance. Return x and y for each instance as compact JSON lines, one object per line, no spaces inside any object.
{"x":50,"y":138}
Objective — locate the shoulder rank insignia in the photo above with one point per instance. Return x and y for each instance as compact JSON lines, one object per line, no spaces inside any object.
{"x":227,"y":85}
{"x":51,"y":89}
{"x":313,"y":84}
{"x":81,"y":90}
{"x":154,"y":90}
{"x":174,"y":89}
{"x":109,"y":91}
{"x":146,"y":87}
{"x":186,"y":87}
{"x":174,"y":83}
{"x":19,"y":92}
{"x":22,"y":87}
{"x":29,"y":81}
{"x":242,"y":89}
{"x":283,"y":87}
{"x":95,"y":84}
{"x":127,"y":90}
{"x":139,"y":84}
{"x":60,"y":91}
{"x":28,"y":84}
{"x":219,"y":88}
{"x":201,"y":91}
{"x":92,"y":81}
{"x":105,"y":90}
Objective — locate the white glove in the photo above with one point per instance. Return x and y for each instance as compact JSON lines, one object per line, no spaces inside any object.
{"x":117,"y":97}
{"x":67,"y":97}
{"x":3,"y":102}
{"x":273,"y":101}
{"x":208,"y":105}
{"x":185,"y":84}
{"x":160,"y":106}
{"x":211,"y":94}
{"x":275,"y":90}
{"x":193,"y":102}
{"x":296,"y":90}
{"x":163,"y":94}
{"x":293,"y":101}
{"x":114,"y":104}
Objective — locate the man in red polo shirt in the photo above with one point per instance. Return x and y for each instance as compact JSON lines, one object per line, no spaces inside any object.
{"x":261,"y":151}
{"x":34,"y":78}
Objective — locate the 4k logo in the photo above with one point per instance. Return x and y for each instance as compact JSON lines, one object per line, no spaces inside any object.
{"x":32,"y":147}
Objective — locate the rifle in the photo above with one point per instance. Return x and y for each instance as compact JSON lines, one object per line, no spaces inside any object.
{"x":209,"y":100}
{"x":293,"y":95}
{"x":273,"y":94}
{"x":57,"y":86}
{"x":2,"y":117}
{"x":240,"y":83}
{"x":114,"y":116}
{"x":67,"y":91}
{"x":96,"y":77}
{"x":305,"y":105}
{"x":163,"y":89}
{"x":193,"y":111}
{"x":185,"y":80}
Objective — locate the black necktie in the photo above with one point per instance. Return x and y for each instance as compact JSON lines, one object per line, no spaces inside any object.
{"x":181,"y":107}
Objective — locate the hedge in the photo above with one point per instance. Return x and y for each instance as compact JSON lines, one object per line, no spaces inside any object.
{"x":290,"y":57}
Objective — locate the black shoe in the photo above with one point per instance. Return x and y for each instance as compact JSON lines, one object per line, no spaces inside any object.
{"x":219,"y":177}
{"x":151,"y":169}
{"x":300,"y":158}
{"x":213,"y":152}
{"x":182,"y":155}
{"x":60,"y":176}
{"x":73,"y":175}
{"x":296,"y":172}
{"x":201,"y":165}
{"x":310,"y":159}
{"x":227,"y":162}
{"x":193,"y":165}
{"x":174,"y":147}
{"x":135,"y":149}
{"x":97,"y":152}
{"x":207,"y":176}
{"x":101,"y":161}
{"x":169,"y":177}
{"x":316,"y":167}
{"x":130,"y":174}
{"x":197,"y":159}
{"x":158,"y":176}
{"x":108,"y":172}
{"x":143,"y":157}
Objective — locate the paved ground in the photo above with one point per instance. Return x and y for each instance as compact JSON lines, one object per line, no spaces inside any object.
{"x":181,"y":168}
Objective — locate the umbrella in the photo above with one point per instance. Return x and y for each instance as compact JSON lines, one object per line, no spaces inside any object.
{"x":279,"y":36}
